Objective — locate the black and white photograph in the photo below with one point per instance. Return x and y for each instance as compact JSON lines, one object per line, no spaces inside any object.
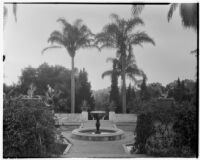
{"x":100,"y":79}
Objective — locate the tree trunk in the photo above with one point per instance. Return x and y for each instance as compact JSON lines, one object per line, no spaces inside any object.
{"x":123,"y":85}
{"x":123,"y":79}
{"x":72,"y":88}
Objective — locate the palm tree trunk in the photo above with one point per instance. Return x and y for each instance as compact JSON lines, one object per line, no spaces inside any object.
{"x":123,"y":85}
{"x":72,"y":88}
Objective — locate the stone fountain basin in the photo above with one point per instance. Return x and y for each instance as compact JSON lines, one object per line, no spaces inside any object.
{"x":107,"y":134}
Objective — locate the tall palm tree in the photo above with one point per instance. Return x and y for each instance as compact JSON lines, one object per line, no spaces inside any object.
{"x":72,"y":37}
{"x":119,"y":34}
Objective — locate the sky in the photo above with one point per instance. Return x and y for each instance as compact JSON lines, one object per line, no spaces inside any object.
{"x":169,"y":59}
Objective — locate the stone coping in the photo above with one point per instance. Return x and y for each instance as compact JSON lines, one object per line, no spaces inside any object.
{"x":68,"y":147}
{"x":116,"y":135}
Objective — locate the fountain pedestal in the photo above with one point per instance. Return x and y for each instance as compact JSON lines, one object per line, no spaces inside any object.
{"x":98,"y":115}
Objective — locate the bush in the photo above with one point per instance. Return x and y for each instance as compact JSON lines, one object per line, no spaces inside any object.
{"x":28,"y":129}
{"x":166,"y":130}
{"x":185,"y":128}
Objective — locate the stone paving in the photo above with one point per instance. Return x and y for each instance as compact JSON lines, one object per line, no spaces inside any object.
{"x":95,"y":149}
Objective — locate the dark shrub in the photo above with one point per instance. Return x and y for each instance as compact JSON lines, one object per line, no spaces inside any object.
{"x":28,"y":129}
{"x":185,"y":128}
{"x":165,"y":129}
{"x":143,"y":130}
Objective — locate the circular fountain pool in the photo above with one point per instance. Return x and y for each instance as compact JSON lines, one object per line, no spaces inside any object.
{"x":106,"y":134}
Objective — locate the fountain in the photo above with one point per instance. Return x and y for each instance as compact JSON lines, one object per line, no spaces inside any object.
{"x":98,"y":115}
{"x":94,"y":133}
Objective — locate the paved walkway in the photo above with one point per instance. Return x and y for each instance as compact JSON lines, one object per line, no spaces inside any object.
{"x":103,"y":149}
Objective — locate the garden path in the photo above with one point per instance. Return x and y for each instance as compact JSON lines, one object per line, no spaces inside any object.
{"x":103,"y":149}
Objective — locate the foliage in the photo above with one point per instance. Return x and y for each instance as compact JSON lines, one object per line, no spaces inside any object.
{"x":28,"y":129}
{"x":72,"y":37}
{"x":119,"y":35}
{"x":144,"y":93}
{"x":114,"y":92}
{"x":143,"y":130}
{"x":166,"y":129}
{"x":188,"y":13}
{"x":185,"y":127}
{"x":181,"y":90}
{"x":83,"y":91}
{"x":58,"y":78}
{"x":102,"y":99}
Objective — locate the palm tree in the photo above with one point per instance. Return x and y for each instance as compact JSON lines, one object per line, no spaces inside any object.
{"x":73,"y":37}
{"x":131,"y":68}
{"x":119,"y":34}
{"x":188,"y":13}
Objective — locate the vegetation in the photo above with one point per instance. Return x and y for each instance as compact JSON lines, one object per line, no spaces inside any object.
{"x":166,"y":127}
{"x":58,"y":78}
{"x":119,"y":35}
{"x":73,"y":37}
{"x":114,"y":92}
{"x":83,"y":92}
{"x":28,"y":129}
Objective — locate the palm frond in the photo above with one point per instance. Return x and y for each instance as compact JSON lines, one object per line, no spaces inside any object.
{"x":5,"y":11}
{"x":15,"y":11}
{"x":172,"y":8}
{"x":65,"y":24}
{"x":107,"y":73}
{"x":50,"y":47}
{"x":113,"y":60}
{"x":141,"y":37}
{"x":104,"y":40}
{"x":137,"y":9}
{"x":78,"y":23}
{"x":194,"y":52}
{"x":115,"y":18}
{"x":56,"y":37}
{"x":111,"y":29}
{"x":188,"y":13}
{"x":131,"y":23}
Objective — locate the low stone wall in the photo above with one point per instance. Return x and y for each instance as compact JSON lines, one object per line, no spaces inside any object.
{"x":71,"y":118}
{"x":122,"y":117}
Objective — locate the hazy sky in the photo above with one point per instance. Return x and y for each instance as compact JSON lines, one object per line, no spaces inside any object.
{"x":165,"y":62}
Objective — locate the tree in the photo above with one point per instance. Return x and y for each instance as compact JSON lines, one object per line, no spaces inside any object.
{"x":84,"y":91}
{"x":188,"y":13}
{"x":119,"y":35}
{"x":73,"y":37}
{"x":114,"y":92}
{"x":144,"y":94}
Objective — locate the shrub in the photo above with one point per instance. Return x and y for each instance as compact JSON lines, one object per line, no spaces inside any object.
{"x":166,"y":130}
{"x":185,"y":128}
{"x":28,"y":129}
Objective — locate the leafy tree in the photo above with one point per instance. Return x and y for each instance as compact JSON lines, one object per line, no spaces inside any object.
{"x":181,"y":92}
{"x":155,"y":90}
{"x":119,"y":35}
{"x":73,"y":37}
{"x":84,"y":91}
